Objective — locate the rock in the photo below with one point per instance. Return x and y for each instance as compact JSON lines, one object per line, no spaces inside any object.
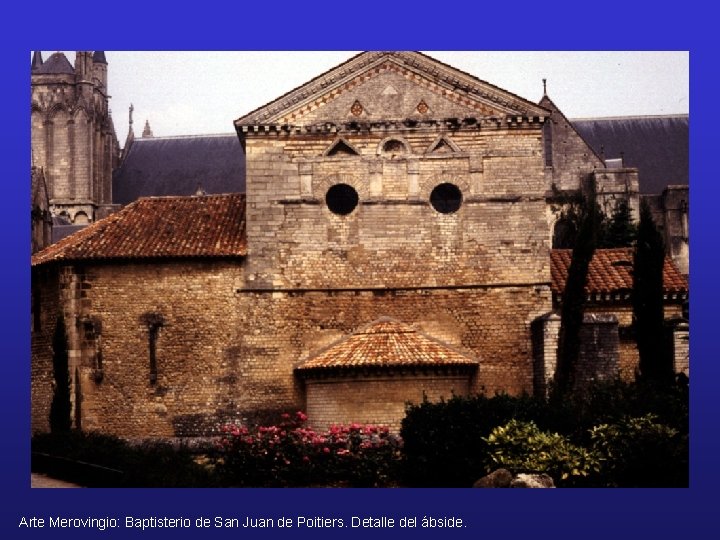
{"x":500,"y":478}
{"x":524,"y":480}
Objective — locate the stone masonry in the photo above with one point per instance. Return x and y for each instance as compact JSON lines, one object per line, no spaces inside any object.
{"x":73,"y":138}
{"x":392,"y":186}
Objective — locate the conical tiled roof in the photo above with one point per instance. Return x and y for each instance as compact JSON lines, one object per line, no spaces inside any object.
{"x":387,"y":342}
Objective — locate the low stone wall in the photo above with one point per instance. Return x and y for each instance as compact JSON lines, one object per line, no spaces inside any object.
{"x":376,"y":398}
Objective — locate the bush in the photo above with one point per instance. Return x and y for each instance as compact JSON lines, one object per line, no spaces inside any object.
{"x":98,"y":460}
{"x":290,"y":454}
{"x":640,"y":452}
{"x":444,"y":443}
{"x":610,"y":402}
{"x":522,"y":447}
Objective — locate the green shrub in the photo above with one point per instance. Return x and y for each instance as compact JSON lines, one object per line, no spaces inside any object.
{"x":99,"y":460}
{"x":443,"y":443}
{"x":522,"y":447}
{"x":640,"y":452}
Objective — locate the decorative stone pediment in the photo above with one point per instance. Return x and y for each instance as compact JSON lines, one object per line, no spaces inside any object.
{"x":381,"y":86}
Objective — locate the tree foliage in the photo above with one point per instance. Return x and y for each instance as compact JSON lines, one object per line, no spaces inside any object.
{"x":573,"y":297}
{"x":60,"y":406}
{"x":647,"y":299}
{"x":619,"y":230}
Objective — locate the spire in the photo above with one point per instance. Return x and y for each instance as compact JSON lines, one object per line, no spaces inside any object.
{"x":147,"y":132}
{"x":99,"y":57}
{"x":37,"y":60}
{"x":130,"y":135}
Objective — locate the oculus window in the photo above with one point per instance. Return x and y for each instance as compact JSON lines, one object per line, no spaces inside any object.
{"x":446,"y":198}
{"x":341,"y":199}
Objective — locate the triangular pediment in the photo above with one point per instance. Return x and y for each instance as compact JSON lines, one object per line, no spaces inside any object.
{"x":391,"y":86}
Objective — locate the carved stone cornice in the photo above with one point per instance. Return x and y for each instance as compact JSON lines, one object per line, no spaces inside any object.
{"x":453,"y":84}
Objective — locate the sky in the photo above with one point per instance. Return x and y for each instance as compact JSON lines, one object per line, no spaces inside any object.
{"x":193,"y":93}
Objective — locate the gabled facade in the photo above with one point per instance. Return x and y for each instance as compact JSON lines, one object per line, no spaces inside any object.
{"x":393,"y":203}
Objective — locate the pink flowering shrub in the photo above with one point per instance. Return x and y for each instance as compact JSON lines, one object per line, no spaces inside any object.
{"x":293,"y":454}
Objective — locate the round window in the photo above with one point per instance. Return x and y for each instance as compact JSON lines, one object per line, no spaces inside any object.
{"x":341,"y":199}
{"x":446,"y":198}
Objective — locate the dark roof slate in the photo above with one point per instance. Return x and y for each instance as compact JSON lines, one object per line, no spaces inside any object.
{"x":657,"y":145}
{"x":164,"y":166}
{"x":56,"y":64}
{"x":159,"y":228}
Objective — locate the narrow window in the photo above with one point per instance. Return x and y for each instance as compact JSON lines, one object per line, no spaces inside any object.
{"x":547,"y":143}
{"x":153,"y":321}
{"x":36,"y":309}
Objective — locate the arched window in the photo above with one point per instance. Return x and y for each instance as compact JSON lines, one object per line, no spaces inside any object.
{"x":564,"y":234}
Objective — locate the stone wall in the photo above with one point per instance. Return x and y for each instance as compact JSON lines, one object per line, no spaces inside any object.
{"x":598,"y":358}
{"x":609,"y":348}
{"x":394,"y":238}
{"x":223,"y":352}
{"x":74,"y":142}
{"x":43,"y":318}
{"x":571,"y":158}
{"x":671,"y":213}
{"x":377,"y":399}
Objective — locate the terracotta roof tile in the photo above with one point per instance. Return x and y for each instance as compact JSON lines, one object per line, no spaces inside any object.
{"x":387,"y":343}
{"x":159,"y":227}
{"x":610,"y":272}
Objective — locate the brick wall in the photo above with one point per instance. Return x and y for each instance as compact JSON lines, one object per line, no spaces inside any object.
{"x":223,"y":354}
{"x":376,"y":399}
{"x":394,"y":238}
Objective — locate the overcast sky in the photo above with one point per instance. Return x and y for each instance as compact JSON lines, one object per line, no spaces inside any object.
{"x":186,"y":93}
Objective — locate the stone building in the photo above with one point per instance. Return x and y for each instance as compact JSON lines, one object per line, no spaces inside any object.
{"x":73,"y":138}
{"x":393,"y":241}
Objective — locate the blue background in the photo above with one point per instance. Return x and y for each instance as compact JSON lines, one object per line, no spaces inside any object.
{"x":349,"y":26}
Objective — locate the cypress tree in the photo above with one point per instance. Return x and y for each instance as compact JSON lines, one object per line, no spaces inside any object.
{"x":647,"y":299}
{"x":619,"y":230}
{"x":573,"y":297}
{"x":60,"y":406}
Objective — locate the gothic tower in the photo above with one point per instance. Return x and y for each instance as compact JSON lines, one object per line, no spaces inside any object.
{"x":73,"y":137}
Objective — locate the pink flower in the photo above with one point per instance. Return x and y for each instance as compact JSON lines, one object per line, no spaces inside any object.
{"x":326,"y":450}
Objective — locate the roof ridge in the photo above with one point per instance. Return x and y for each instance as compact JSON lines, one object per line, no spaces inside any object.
{"x":557,"y":110}
{"x":203,"y":196}
{"x":628,"y":117}
{"x":191,"y":136}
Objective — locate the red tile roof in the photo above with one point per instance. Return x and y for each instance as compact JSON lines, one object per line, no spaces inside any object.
{"x":387,"y":343}
{"x":610,"y":272}
{"x":159,"y":227}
